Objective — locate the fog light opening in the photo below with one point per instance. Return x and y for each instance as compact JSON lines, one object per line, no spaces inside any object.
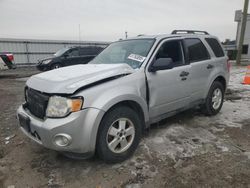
{"x":62,"y":140}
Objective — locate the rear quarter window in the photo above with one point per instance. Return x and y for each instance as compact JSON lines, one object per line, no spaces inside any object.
{"x":196,"y":50}
{"x":215,"y":46}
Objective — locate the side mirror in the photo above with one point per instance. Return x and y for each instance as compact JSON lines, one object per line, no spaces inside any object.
{"x":161,"y":64}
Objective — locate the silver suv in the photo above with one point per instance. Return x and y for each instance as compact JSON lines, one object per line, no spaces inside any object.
{"x":103,"y":107}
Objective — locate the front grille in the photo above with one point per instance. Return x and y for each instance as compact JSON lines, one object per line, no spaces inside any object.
{"x":36,"y":102}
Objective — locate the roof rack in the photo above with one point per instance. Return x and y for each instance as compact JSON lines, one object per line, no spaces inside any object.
{"x":189,"y":32}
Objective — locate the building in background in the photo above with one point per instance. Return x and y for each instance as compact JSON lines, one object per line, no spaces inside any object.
{"x":231,"y":49}
{"x":27,"y":52}
{"x":246,"y":44}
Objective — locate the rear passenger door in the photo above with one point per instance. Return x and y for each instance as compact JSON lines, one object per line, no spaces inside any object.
{"x":201,"y":67}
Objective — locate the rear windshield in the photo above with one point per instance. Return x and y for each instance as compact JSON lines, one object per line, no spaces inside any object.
{"x":216,"y":47}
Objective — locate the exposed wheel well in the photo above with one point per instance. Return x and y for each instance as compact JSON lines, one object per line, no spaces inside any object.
{"x":133,"y":105}
{"x":222,"y":80}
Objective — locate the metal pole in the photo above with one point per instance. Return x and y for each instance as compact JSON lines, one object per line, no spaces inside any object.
{"x":27,"y":51}
{"x":79,"y":32}
{"x":242,"y":32}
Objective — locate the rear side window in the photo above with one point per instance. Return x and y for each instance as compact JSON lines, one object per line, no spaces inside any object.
{"x":214,"y":44}
{"x":196,"y":50}
{"x":90,"y":51}
{"x":85,"y":51}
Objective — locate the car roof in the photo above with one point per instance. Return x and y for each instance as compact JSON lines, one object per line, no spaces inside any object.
{"x":163,"y":36}
{"x":89,"y":46}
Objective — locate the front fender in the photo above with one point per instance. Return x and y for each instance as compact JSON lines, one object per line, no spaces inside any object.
{"x":128,"y":97}
{"x":109,"y":98}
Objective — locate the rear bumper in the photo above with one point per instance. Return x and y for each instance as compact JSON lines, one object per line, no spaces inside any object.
{"x":81,"y":126}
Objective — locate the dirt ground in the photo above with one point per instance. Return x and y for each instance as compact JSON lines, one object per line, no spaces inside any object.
{"x":187,"y":150}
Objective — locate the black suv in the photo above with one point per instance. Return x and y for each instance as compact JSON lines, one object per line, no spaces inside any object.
{"x":69,"y":56}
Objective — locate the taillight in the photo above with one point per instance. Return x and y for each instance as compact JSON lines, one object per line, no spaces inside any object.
{"x":10,"y":57}
{"x":228,"y":65}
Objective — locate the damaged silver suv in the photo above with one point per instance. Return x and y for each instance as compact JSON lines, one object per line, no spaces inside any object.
{"x":103,"y":107}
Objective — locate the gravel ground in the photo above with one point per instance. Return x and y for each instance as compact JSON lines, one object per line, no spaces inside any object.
{"x":187,"y":150}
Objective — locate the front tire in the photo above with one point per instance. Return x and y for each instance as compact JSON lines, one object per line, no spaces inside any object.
{"x":119,"y":134}
{"x":55,"y":66}
{"x":214,"y":100}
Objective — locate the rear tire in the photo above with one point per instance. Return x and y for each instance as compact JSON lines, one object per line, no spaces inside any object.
{"x":119,"y":134}
{"x":214,"y":100}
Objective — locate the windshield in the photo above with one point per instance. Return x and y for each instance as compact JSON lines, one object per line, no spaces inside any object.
{"x":131,"y":52}
{"x":60,"y":52}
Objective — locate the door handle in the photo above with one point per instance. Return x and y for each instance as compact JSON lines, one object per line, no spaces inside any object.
{"x":210,"y":66}
{"x":184,"y":73}
{"x":184,"y":78}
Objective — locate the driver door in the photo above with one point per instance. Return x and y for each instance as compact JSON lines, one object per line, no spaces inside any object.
{"x":72,"y":57}
{"x":169,"y":89}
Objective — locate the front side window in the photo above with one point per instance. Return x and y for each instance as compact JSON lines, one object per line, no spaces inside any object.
{"x":73,"y":53}
{"x":196,"y":50}
{"x":132,"y":52}
{"x":61,"y":52}
{"x":172,"y":50}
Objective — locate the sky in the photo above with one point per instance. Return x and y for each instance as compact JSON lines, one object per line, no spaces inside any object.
{"x":107,"y":20}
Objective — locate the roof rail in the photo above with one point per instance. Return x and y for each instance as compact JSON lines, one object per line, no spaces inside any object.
{"x":189,"y":32}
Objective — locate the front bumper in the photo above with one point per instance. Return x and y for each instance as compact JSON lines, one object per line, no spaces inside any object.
{"x":42,"y":67}
{"x":81,"y":126}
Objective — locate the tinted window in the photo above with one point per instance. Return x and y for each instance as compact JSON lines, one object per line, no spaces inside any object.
{"x":214,"y":44}
{"x":90,"y":51}
{"x":173,"y":50}
{"x":73,"y":53}
{"x":85,"y":51}
{"x":245,"y":49}
{"x":196,"y":50}
{"x":61,"y":52}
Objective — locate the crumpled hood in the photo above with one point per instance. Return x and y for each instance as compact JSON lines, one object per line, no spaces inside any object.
{"x":69,"y":79}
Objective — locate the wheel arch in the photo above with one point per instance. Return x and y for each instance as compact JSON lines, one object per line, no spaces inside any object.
{"x":134,"y":102}
{"x":117,"y":109}
{"x":54,"y":63}
{"x":220,"y":78}
{"x":133,"y":105}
